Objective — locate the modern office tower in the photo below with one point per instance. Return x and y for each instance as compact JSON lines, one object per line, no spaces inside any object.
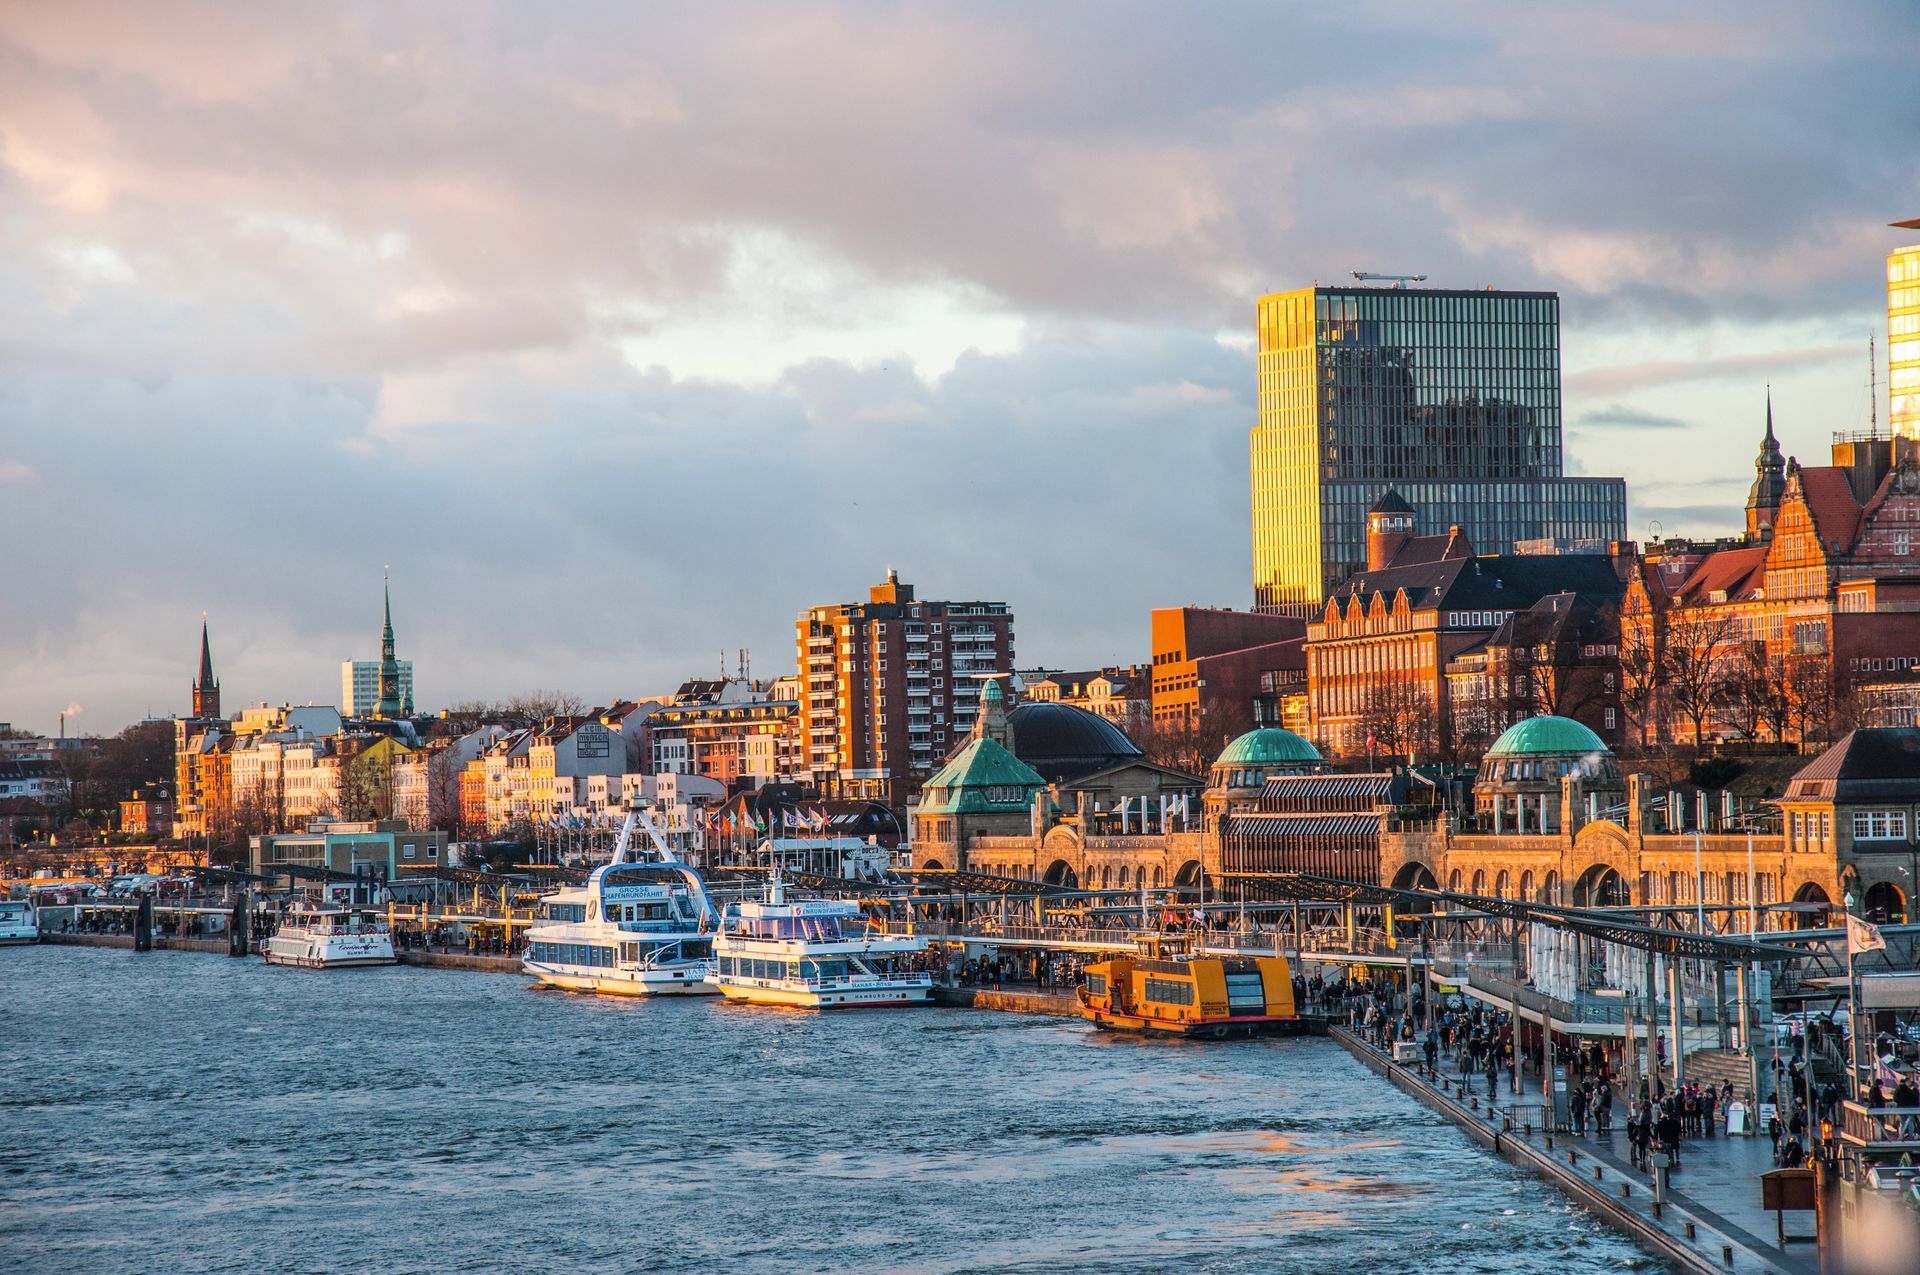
{"x":1903,"y":336}
{"x":887,"y":686}
{"x":1451,"y":398}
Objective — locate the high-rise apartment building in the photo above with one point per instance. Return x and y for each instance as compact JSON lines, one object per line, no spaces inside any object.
{"x":889,"y":685}
{"x":360,"y":686}
{"x":1451,"y":398}
{"x":1903,"y":336}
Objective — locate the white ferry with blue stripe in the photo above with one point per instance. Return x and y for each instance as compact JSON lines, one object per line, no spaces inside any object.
{"x":636,"y":928}
{"x":817,"y":954}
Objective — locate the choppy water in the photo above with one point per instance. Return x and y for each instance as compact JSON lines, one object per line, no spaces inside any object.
{"x":194,"y":1113}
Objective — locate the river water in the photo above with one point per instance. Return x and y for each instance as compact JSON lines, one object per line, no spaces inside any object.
{"x":177,"y":1112}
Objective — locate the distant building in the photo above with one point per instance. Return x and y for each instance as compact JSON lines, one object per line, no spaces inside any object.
{"x":1220,"y":673}
{"x":1903,"y":337}
{"x":1122,"y":694}
{"x":888,"y":685}
{"x":373,"y":851}
{"x":1379,"y":655}
{"x":34,"y":778}
{"x":360,"y":686}
{"x":728,"y":729}
{"x":1450,"y":397}
{"x":1772,"y":637}
{"x":149,"y":812}
{"x":201,"y":744}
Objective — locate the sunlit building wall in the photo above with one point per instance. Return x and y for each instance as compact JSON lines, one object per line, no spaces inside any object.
{"x":1903,"y":337}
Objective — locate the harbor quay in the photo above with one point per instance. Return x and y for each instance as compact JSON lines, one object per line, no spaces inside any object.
{"x":1424,"y":989}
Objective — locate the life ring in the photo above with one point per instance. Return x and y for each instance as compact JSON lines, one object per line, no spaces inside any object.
{"x":1218,"y":1031}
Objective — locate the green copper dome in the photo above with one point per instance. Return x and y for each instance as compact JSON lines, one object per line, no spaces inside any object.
{"x":982,"y":778}
{"x":1546,"y":736}
{"x":1268,"y":746}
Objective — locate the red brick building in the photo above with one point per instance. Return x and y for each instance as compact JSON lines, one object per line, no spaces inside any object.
{"x":1768,"y":638}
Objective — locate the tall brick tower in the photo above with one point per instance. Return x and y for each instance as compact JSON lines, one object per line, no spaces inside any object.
{"x":206,"y":691}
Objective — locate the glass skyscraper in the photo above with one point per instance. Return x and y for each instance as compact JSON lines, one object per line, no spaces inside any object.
{"x":1450,"y":398}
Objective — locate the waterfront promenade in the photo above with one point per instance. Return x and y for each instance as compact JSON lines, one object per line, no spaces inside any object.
{"x":1709,"y":1217}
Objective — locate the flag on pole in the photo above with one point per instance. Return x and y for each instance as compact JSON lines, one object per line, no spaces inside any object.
{"x":1862,"y":937}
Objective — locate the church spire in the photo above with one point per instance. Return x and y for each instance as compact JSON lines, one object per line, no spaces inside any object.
{"x":1769,"y":483}
{"x":206,"y":691}
{"x":391,"y":704}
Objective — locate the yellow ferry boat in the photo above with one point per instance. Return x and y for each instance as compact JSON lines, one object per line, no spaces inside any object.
{"x":1212,"y":997}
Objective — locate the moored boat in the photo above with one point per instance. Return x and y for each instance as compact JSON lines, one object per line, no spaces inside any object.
{"x":1176,"y":994}
{"x":636,"y":928}
{"x":815,"y":954}
{"x":326,"y":936}
{"x":18,"y":922}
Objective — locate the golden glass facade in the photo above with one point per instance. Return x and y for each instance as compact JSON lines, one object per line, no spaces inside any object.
{"x":1903,"y":341}
{"x":1450,"y":397}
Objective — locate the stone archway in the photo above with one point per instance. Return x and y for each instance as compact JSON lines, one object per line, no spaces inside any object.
{"x":1414,"y":876}
{"x":1188,"y":875}
{"x":1061,"y":873}
{"x":934,"y":865}
{"x":1811,"y":892}
{"x":1601,"y":887}
{"x":1885,"y":904}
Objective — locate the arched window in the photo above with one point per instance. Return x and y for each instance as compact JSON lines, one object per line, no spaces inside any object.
{"x":1526,"y":886}
{"x":1552,"y":887}
{"x":1503,"y":883}
{"x":1454,"y":880}
{"x":1480,"y":881}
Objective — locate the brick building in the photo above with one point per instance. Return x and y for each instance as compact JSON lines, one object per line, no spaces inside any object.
{"x":1222,"y":672}
{"x":889,"y":685}
{"x":1378,"y":658}
{"x":1770,"y":637}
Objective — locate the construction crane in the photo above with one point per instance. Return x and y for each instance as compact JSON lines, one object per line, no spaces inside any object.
{"x":1397,"y":280}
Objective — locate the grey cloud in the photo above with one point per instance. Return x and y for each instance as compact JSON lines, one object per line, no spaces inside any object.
{"x":1619,"y":417}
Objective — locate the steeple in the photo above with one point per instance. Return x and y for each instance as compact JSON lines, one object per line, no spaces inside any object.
{"x":1769,"y":483}
{"x":390,"y":704}
{"x":206,"y":691}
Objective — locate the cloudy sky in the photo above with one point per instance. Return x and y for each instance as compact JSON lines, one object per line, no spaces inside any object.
{"x":624,"y":332}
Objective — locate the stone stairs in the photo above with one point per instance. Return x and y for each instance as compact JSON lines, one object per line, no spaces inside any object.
{"x":1718,"y":1066}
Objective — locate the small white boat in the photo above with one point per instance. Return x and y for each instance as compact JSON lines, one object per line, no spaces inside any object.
{"x":636,"y":928}
{"x":324,"y":936}
{"x":818,"y":954}
{"x":18,"y":922}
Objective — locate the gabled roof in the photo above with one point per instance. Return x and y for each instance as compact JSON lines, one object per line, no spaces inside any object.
{"x":1829,"y":497}
{"x":1737,"y":572}
{"x":1865,"y":765}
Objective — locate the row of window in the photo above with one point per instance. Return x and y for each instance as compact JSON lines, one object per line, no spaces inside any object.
{"x":1895,"y":664}
{"x":1879,"y":825}
{"x":591,"y":954}
{"x":1167,"y":991}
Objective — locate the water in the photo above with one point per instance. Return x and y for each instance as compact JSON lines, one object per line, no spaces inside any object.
{"x":195,"y":1113}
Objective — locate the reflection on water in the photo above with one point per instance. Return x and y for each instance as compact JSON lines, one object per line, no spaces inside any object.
{"x":183,"y":1112}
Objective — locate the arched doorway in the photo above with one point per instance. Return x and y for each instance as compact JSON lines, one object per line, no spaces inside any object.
{"x":1600,"y":887}
{"x":1811,"y":918}
{"x":1885,"y":904}
{"x":1414,"y":876}
{"x":1061,"y":873}
{"x":1188,"y":875}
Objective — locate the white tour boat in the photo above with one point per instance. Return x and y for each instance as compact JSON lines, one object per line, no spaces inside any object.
{"x":636,"y":928}
{"x":819,"y":954}
{"x":18,"y":922}
{"x":325,"y":936}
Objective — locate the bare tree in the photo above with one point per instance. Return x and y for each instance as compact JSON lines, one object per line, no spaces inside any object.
{"x":1642,"y":681}
{"x":1810,"y":694}
{"x":443,"y":793}
{"x":1399,"y":718}
{"x":1693,"y":664}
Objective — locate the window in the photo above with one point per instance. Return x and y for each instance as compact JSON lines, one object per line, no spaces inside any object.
{"x":1879,"y":825}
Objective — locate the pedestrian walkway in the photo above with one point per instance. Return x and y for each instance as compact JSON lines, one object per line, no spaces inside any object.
{"x":1715,"y":1194}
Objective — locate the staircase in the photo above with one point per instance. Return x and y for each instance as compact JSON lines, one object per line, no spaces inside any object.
{"x":1717,"y":1067}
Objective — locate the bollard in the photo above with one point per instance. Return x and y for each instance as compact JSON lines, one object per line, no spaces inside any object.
{"x":1598,"y":1173}
{"x":1726,"y":1254}
{"x":1656,"y":1208}
{"x":1549,"y":1142}
{"x":1626,"y":1189}
{"x":1689,"y":1230}
{"x":1573,"y":1157}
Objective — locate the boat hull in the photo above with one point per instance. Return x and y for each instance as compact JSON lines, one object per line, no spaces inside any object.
{"x":304,"y":954}
{"x":827,"y":997}
{"x":18,"y":940}
{"x":690,"y":982}
{"x":1205,"y":1029}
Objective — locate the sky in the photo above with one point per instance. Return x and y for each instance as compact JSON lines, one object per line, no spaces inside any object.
{"x":622,"y":332}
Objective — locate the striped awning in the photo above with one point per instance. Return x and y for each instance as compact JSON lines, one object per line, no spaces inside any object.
{"x":1298,"y":825}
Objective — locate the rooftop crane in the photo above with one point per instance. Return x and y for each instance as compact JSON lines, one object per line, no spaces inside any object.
{"x":1397,"y":280}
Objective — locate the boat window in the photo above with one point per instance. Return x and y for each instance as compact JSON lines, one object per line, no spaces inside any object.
{"x":1168,"y":991}
{"x":1097,"y":984}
